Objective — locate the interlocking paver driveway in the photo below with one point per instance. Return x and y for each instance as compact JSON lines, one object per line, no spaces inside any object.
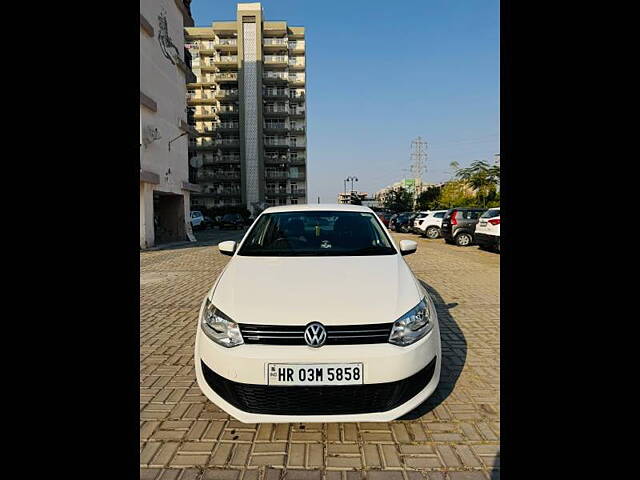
{"x":454,"y":436}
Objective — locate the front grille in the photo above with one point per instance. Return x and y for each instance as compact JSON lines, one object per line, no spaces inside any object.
{"x":320,"y":400}
{"x":336,"y":334}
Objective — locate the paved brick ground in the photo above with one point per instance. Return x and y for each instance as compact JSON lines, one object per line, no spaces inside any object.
{"x":454,"y":436}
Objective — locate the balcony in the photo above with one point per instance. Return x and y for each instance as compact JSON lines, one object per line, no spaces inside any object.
{"x":221,"y":194}
{"x":299,"y":160}
{"x":275,"y":127}
{"x":202,"y":99}
{"x":224,"y":143}
{"x":297,"y":145}
{"x":276,"y":142}
{"x":226,"y":77}
{"x":297,"y":113}
{"x":275,"y":78}
{"x":275,"y":111}
{"x":205,"y":115}
{"x":226,"y":61}
{"x":207,"y":64}
{"x":296,"y":63}
{"x":297,"y":96}
{"x":300,"y":176}
{"x":275,"y":159}
{"x":300,"y":192}
{"x":226,"y":159}
{"x":296,"y":79}
{"x":297,"y":131}
{"x":276,"y":175}
{"x":296,"y":46}
{"x":276,"y":60}
{"x":229,"y":110}
{"x":226,"y":94}
{"x":226,"y":45}
{"x":227,"y":126}
{"x":213,"y":176}
{"x":277,"y":193}
{"x":277,"y":42}
{"x":275,"y":94}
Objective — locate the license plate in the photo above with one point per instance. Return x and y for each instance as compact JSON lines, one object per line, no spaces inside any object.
{"x":483,"y":224}
{"x":315,"y":374}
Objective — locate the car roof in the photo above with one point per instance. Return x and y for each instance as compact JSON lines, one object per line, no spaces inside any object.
{"x":333,"y":207}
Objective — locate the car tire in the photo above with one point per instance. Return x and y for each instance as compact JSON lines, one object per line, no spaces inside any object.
{"x":463,"y":239}
{"x":432,"y":232}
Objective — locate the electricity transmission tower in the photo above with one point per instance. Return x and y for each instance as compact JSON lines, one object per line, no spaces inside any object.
{"x":418,"y":162}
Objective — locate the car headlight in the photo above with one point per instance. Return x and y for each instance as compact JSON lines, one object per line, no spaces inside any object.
{"x":413,"y":325}
{"x":219,"y":327}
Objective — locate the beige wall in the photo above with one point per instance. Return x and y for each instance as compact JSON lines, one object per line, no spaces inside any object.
{"x":164,"y":83}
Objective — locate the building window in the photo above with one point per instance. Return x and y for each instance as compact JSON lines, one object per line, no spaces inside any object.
{"x":294,"y":201}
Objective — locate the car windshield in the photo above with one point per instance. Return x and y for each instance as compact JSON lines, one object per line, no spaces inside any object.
{"x":316,"y":233}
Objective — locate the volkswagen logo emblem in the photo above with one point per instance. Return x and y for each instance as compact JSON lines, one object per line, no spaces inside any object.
{"x":315,"y":335}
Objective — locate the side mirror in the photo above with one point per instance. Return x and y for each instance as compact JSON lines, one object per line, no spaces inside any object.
{"x":229,"y":247}
{"x":408,"y":247}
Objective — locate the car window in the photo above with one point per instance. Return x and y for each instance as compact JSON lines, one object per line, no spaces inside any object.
{"x":317,"y":233}
{"x":439,"y":215}
{"x":495,"y":212}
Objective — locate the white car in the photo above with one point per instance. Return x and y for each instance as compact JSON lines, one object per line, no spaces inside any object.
{"x":197,"y":219}
{"x":430,"y":224}
{"x":487,"y":233}
{"x":317,"y":318}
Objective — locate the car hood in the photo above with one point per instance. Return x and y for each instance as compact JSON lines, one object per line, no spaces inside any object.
{"x":330,"y":290}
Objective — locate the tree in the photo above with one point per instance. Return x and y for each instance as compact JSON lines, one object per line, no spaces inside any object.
{"x":398,"y":200}
{"x":429,"y":198}
{"x":456,"y":193}
{"x":480,"y":176}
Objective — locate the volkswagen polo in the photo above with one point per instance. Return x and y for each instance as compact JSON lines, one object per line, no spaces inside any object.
{"x":317,"y":318}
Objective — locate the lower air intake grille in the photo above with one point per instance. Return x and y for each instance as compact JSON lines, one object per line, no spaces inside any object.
{"x":321,"y":400}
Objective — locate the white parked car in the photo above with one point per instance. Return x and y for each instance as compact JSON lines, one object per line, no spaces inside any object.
{"x":429,"y":225}
{"x":197,"y":219}
{"x":487,"y":233}
{"x":317,"y":318}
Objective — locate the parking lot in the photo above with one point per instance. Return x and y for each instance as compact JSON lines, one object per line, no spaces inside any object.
{"x":455,"y":435}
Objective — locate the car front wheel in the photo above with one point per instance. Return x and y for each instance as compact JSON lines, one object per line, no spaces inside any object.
{"x":463,"y":239}
{"x":432,"y":232}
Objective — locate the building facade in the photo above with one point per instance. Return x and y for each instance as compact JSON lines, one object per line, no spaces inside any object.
{"x":164,"y":69}
{"x":352,"y":197}
{"x":414,"y":186}
{"x":248,"y":105}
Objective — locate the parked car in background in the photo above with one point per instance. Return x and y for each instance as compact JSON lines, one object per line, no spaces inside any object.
{"x":414,"y":224}
{"x":197,"y":220}
{"x":429,"y":225}
{"x":488,"y":229}
{"x":384,"y":218}
{"x":392,"y":221}
{"x":231,"y":220}
{"x":403,"y":222}
{"x":459,"y":225}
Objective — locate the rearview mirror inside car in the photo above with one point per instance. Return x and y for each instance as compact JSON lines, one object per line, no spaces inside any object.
{"x":228,"y":247}
{"x":408,"y":246}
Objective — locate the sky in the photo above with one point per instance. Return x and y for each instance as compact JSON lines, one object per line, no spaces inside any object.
{"x":382,"y":73}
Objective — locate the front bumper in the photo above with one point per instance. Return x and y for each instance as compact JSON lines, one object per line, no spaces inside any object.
{"x":396,"y":380}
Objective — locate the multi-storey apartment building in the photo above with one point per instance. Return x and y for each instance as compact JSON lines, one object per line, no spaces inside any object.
{"x":164,"y":173}
{"x":248,"y":104}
